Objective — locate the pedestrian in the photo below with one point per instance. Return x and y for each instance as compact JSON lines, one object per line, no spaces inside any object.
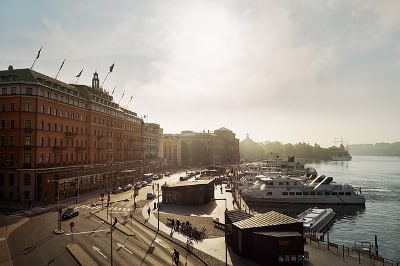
{"x":178,"y":223}
{"x":148,"y":211}
{"x":173,"y":223}
{"x":221,"y":189}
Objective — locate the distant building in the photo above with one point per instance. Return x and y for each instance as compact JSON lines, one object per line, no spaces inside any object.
{"x":152,"y":146}
{"x":199,"y":149}
{"x":57,"y":137}
{"x":197,"y":192}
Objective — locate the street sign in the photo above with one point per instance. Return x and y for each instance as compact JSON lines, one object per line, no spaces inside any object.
{"x":72,"y":224}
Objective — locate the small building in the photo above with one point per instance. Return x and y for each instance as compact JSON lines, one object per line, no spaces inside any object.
{"x":271,"y":238}
{"x":197,"y":192}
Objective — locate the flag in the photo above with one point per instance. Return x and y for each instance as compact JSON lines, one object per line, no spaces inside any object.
{"x":111,"y":67}
{"x":62,"y":65}
{"x":38,"y":53}
{"x":144,"y":116}
{"x":80,"y":73}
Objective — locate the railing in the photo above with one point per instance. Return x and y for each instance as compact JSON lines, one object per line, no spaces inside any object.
{"x":361,"y":257}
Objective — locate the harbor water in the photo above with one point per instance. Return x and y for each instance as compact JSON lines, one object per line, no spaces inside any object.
{"x":379,"y":180}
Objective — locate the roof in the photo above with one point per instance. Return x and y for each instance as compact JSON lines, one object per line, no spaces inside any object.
{"x":191,"y":183}
{"x":279,"y":234}
{"x":238,"y":215}
{"x":266,"y":219}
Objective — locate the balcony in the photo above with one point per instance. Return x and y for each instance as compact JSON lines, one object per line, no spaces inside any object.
{"x":27,"y":130}
{"x":70,"y":134}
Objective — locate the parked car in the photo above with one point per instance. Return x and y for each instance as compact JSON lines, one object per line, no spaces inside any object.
{"x":117,"y":190}
{"x":156,"y":177}
{"x":70,"y":213}
{"x":138,"y":185}
{"x":150,"y":196}
{"x":127,"y":187}
{"x":144,"y":183}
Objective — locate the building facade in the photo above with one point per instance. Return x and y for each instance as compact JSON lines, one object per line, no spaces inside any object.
{"x":198,"y":149}
{"x":59,"y":139}
{"x":152,"y":146}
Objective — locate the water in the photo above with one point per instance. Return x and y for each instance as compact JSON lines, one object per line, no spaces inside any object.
{"x":379,"y":179}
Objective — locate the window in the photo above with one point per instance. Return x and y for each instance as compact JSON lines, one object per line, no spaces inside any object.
{"x":3,"y":141}
{"x":11,"y":180}
{"x":42,"y":109}
{"x":49,"y":110}
{"x":27,"y":140}
{"x":12,"y":158}
{"x":28,"y":107}
{"x":42,"y":125}
{"x":3,"y":107}
{"x":12,"y":107}
{"x":55,"y":126}
{"x":41,"y":158}
{"x":55,"y":112}
{"x":27,"y":179}
{"x":1,"y":179}
{"x":27,"y":158}
{"x":12,"y":140}
{"x":27,"y":124}
{"x":12,"y":124}
{"x":41,"y":141}
{"x":4,"y":91}
{"x":3,"y":124}
{"x":13,"y":90}
{"x":48,"y":126}
{"x":28,"y":91}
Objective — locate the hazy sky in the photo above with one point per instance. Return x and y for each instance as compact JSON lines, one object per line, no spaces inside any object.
{"x":289,"y":71}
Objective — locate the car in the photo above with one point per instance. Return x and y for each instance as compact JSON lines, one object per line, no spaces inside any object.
{"x":150,"y":196}
{"x":144,"y":183}
{"x":127,"y":187}
{"x":70,"y":212}
{"x":138,"y":186}
{"x":117,"y":190}
{"x":156,"y":177}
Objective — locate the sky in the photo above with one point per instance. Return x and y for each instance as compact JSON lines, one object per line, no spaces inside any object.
{"x":290,"y":71}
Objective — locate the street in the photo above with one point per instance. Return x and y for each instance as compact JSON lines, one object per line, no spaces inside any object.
{"x":132,"y":243}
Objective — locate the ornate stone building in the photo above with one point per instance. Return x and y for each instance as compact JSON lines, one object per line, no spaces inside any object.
{"x":152,"y":146}
{"x":58,"y":138}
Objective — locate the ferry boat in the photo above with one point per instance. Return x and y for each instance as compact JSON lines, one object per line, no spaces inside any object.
{"x":302,"y":190}
{"x":315,"y":220}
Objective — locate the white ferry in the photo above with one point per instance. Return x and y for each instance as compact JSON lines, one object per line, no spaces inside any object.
{"x":315,"y":220}
{"x":302,"y":190}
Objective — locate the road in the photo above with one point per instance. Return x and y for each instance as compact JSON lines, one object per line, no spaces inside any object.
{"x":35,"y":242}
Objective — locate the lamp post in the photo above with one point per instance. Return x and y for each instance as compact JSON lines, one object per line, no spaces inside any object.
{"x":226,"y":244}
{"x":58,"y":230}
{"x":158,"y":206}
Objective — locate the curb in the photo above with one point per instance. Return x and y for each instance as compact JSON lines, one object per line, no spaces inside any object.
{"x":80,"y":255}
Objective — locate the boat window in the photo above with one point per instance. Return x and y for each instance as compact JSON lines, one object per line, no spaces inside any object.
{"x":327,"y":193}
{"x":306,"y":193}
{"x":334,"y":193}
{"x":312,"y":193}
{"x":291,"y":193}
{"x":298,"y":193}
{"x":341,"y":193}
{"x":348,"y":193}
{"x":284,"y":193}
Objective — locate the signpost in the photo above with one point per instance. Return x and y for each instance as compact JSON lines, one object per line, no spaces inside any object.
{"x":72,"y":224}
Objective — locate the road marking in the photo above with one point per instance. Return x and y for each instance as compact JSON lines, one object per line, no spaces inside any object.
{"x":123,"y":246}
{"x":158,"y":241}
{"x":88,"y":232}
{"x":98,"y":251}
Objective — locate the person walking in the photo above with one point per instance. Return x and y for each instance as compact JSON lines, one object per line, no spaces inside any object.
{"x":148,"y":211}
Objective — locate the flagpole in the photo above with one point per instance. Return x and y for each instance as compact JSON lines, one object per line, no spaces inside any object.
{"x":60,"y":68}
{"x":111,"y":69}
{"x":121,"y":97}
{"x":78,"y":76}
{"x":37,"y":56}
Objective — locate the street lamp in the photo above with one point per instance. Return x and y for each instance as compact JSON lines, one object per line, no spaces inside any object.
{"x":58,"y":230}
{"x":226,"y":244}
{"x":158,"y":206}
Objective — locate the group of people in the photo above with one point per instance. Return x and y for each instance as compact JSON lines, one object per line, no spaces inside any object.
{"x":177,"y":225}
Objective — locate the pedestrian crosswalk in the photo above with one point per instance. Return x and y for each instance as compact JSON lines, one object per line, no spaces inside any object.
{"x":29,"y":212}
{"x":111,"y":208}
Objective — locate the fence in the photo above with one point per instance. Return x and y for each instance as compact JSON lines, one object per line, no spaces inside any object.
{"x":356,"y":255}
